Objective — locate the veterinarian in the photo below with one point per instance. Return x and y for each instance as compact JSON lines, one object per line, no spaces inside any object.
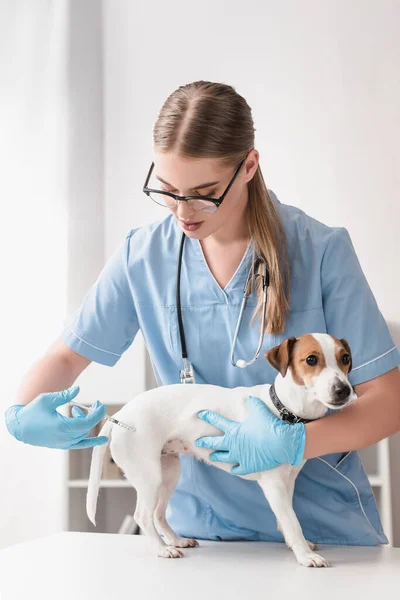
{"x":204,"y":147}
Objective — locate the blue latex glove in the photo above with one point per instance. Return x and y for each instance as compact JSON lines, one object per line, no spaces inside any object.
{"x":261,"y":442}
{"x":40,"y":424}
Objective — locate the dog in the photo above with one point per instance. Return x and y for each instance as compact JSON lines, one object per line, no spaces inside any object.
{"x":312,"y":378}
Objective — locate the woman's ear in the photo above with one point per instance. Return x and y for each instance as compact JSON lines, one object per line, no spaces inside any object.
{"x":280,"y":356}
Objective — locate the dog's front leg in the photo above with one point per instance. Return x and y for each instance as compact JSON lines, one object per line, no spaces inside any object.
{"x":290,"y":483}
{"x":276,"y":492}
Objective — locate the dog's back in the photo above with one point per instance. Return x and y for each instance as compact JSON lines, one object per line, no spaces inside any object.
{"x":171,"y":412}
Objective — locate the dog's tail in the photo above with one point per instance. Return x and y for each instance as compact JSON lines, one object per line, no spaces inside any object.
{"x":96,"y":469}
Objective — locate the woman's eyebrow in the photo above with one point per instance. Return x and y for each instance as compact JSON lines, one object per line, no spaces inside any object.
{"x":197,"y":187}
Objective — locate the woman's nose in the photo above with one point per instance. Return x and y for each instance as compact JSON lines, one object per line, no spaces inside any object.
{"x":185,"y":212}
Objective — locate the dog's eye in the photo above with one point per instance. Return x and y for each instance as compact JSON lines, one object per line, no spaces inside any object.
{"x":346,"y":359}
{"x":312,"y":360}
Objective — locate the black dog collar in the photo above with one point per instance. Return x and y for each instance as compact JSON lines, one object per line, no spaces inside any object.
{"x":284,"y":413}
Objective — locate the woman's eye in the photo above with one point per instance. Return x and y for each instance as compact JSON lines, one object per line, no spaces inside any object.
{"x":312,"y":360}
{"x":208,"y":195}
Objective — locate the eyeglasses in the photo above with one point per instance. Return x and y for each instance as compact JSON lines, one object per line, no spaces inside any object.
{"x":170,"y":200}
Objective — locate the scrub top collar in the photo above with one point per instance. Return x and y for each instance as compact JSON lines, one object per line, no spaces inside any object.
{"x":236,"y":283}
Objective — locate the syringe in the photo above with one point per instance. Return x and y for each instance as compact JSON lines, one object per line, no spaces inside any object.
{"x":90,"y":409}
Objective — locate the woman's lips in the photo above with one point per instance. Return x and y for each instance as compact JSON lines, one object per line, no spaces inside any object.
{"x":191,"y":226}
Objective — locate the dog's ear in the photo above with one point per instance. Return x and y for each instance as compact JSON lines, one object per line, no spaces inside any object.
{"x":280,"y":356}
{"x":347,"y":348}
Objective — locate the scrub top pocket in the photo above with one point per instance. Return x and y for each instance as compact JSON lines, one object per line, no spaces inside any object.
{"x":335,"y":492}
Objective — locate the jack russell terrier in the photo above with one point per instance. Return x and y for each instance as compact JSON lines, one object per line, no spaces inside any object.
{"x":312,"y":378}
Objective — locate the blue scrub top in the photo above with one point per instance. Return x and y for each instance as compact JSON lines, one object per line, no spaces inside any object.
{"x":330,"y":294}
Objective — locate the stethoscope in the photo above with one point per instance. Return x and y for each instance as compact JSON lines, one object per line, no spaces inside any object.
{"x":187,"y":374}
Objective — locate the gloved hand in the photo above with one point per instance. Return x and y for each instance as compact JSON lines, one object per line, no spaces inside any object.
{"x":40,"y":424}
{"x":261,"y":442}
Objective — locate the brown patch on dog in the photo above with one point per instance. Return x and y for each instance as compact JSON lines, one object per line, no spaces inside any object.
{"x":304,"y":372}
{"x":174,"y":446}
{"x":281,"y":356}
{"x":293,"y":352}
{"x":342,"y":347}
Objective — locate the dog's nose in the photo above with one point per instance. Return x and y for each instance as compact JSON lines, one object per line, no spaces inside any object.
{"x":341,"y":393}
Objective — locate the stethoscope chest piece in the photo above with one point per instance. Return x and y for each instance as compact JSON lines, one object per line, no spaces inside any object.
{"x":187,"y":373}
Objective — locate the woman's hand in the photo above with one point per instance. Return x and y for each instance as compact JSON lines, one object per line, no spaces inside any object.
{"x":40,"y":424}
{"x":260,"y":442}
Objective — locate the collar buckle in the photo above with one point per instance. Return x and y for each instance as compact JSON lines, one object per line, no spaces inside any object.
{"x":288,"y":416}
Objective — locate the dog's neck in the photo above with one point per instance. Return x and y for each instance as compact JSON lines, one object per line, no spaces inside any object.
{"x":297,"y":399}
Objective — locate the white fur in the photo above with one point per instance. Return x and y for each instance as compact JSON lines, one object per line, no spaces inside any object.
{"x":166,"y":420}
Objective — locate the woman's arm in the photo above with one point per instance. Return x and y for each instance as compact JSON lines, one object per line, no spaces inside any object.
{"x":374,"y":416}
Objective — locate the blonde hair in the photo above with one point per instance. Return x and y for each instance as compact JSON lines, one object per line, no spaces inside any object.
{"x":211,"y":120}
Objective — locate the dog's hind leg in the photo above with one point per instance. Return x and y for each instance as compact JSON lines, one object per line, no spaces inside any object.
{"x":277,"y":495}
{"x":171,"y":469}
{"x":146,"y":477}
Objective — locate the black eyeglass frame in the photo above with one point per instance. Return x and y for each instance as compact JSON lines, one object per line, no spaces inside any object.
{"x":216,"y":201}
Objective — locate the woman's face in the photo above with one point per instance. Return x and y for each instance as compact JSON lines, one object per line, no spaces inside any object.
{"x":186,"y":177}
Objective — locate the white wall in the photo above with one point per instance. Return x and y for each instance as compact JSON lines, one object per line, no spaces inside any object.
{"x":33,"y":245}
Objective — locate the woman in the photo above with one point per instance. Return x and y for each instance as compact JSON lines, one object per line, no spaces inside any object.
{"x":204,"y":147}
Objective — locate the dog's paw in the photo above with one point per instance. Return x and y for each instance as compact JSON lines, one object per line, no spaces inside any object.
{"x":311,"y":545}
{"x":312,"y":560}
{"x":170,"y":552}
{"x":184,"y":543}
